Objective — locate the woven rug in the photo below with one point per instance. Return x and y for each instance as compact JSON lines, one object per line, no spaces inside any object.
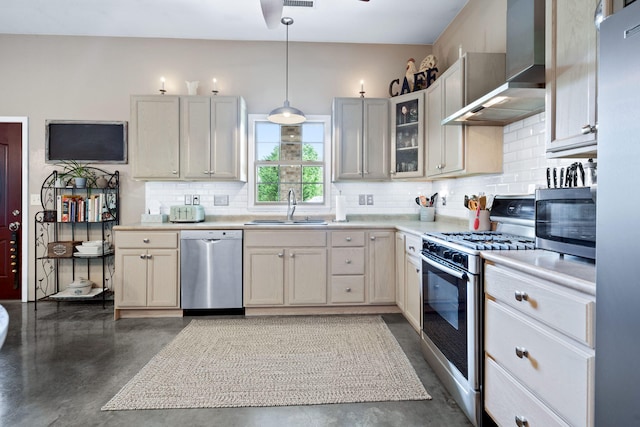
{"x":274,"y":361}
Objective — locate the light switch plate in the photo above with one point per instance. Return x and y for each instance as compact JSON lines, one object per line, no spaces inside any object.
{"x":187,"y":199}
{"x":35,"y":199}
{"x":370,"y":199}
{"x":362,"y":200}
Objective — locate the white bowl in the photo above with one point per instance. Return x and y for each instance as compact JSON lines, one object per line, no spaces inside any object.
{"x":95,"y":243}
{"x":92,"y":250}
{"x":80,"y":286}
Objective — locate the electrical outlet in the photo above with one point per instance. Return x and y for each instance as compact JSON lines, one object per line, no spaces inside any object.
{"x":35,"y":199}
{"x":369,"y":199}
{"x":221,"y":200}
{"x":196,"y":199}
{"x":362,"y":199}
{"x":187,"y":199}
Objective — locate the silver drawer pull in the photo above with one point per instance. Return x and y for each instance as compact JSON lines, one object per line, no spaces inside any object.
{"x":521,"y":296}
{"x":412,"y":248}
{"x":522,"y":352}
{"x":145,"y":240}
{"x":521,"y":421}
{"x":348,"y":290}
{"x":373,"y":237}
{"x":280,"y":255}
{"x":348,"y":261}
{"x":143,"y":256}
{"x":348,"y":239}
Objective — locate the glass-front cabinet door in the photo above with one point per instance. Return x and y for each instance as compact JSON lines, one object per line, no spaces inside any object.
{"x":407,"y":135}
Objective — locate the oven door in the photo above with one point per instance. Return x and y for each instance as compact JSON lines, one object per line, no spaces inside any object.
{"x":451,"y":308}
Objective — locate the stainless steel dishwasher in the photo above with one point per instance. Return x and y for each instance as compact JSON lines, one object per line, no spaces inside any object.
{"x":211,"y":269}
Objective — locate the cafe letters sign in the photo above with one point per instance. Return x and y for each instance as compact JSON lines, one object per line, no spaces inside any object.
{"x":415,"y":79}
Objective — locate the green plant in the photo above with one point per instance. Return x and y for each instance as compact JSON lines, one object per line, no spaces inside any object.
{"x":74,"y":169}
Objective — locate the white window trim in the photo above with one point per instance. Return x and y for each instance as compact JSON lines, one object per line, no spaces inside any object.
{"x":301,"y":209}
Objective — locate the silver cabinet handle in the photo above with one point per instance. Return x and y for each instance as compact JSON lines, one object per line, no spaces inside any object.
{"x":205,"y":172}
{"x":292,"y":255}
{"x":522,"y":352}
{"x":418,"y":270}
{"x":143,"y":256}
{"x":149,"y":256}
{"x":174,"y":172}
{"x":521,"y":296}
{"x":521,"y":421}
{"x":347,"y":261}
{"x":587,"y":129}
{"x":145,"y":240}
{"x":412,"y":248}
{"x":373,"y":237}
{"x":348,"y":290}
{"x":348,"y":239}
{"x":280,"y":254}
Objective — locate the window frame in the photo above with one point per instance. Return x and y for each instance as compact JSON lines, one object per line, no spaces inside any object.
{"x":324,"y":207}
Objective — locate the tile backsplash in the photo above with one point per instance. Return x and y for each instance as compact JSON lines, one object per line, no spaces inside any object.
{"x":524,"y":168}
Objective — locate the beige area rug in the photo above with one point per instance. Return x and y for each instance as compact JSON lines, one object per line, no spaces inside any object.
{"x":274,"y":361}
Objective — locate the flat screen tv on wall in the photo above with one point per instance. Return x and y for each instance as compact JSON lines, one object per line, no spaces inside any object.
{"x":86,"y":141}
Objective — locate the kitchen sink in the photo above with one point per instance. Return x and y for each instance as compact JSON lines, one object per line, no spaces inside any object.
{"x":307,"y":221}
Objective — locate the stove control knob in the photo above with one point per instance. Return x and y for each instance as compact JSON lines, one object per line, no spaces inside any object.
{"x":448,"y":254}
{"x":457,"y":258}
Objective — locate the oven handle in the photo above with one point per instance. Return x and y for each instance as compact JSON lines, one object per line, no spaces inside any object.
{"x":459,"y":274}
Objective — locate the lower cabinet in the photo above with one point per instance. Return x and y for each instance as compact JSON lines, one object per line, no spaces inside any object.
{"x":381,"y":271}
{"x":294,"y":273}
{"x":409,"y":278}
{"x":539,"y":350}
{"x":146,"y":271}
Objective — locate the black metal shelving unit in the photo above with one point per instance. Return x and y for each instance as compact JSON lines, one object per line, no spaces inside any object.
{"x":50,"y":227}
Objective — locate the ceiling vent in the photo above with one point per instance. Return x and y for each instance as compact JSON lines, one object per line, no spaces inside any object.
{"x":299,"y":3}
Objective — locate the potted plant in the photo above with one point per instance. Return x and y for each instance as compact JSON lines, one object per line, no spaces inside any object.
{"x":81,"y":173}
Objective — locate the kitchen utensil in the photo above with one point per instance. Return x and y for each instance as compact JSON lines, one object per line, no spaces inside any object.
{"x":476,"y":222}
{"x":482,"y":200}
{"x":581,"y":170}
{"x":466,"y":201}
{"x":590,"y":173}
{"x":418,"y":201}
{"x":473,"y":205}
{"x":562,"y":176}
{"x":548,"y":177}
{"x":555,"y":178}
{"x":423,"y":201}
{"x":432,"y":200}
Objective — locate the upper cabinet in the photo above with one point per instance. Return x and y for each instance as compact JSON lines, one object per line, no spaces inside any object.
{"x":189,"y":137}
{"x":571,"y":66}
{"x":458,"y":150}
{"x":407,"y":135}
{"x":212,"y":138}
{"x":154,"y":137}
{"x":360,"y":139}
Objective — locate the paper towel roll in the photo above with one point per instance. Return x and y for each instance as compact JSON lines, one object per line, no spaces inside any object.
{"x":341,"y":213}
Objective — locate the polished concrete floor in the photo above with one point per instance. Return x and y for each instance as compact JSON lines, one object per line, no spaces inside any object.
{"x":61,"y":363}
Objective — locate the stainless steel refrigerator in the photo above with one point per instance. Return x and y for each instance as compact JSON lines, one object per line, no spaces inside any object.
{"x":617,"y":383}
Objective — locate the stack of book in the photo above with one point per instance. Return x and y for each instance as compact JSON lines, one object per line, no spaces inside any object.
{"x":93,"y":208}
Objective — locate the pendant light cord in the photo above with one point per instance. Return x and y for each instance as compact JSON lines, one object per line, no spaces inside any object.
{"x":286,"y":73}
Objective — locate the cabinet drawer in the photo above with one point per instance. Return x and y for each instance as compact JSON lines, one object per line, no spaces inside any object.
{"x":347,"y":261}
{"x":347,"y":238}
{"x":569,"y":313}
{"x":551,"y":367}
{"x":347,"y":289}
{"x":413,"y":245}
{"x":506,"y":400}
{"x":285,"y":238}
{"x":146,"y":239}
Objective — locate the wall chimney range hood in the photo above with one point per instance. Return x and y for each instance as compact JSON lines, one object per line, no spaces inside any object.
{"x":523,"y":94}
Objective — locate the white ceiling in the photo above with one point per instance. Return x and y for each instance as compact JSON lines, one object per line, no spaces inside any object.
{"x":345,"y":21}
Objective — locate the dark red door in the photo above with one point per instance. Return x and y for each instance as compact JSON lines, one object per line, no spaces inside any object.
{"x":10,"y":209}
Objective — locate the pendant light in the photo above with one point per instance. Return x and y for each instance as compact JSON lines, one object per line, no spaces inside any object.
{"x":287,"y":115}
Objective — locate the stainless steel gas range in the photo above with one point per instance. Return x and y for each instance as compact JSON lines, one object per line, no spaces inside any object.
{"x":452,"y":292}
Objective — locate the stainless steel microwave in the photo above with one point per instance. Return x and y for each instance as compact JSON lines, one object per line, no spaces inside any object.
{"x":566,"y":220}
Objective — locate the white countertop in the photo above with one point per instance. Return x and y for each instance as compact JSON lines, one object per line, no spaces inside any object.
{"x":572,"y":272}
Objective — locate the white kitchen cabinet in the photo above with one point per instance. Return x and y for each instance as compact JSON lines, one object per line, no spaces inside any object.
{"x":291,"y":273}
{"x":360,"y":139}
{"x":400,"y":270}
{"x":188,"y":138}
{"x":380,"y":267}
{"x":539,"y":350}
{"x":407,"y":135}
{"x":348,"y":267}
{"x":147,"y":266}
{"x":571,"y":53}
{"x":458,"y":150}
{"x":213,"y":138}
{"x":154,"y":137}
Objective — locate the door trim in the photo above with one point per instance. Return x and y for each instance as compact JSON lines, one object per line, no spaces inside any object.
{"x":25,"y":202}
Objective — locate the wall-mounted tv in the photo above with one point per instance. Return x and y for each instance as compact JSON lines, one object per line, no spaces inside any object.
{"x":86,"y":141}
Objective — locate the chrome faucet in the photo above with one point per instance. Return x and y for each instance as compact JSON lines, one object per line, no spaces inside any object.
{"x":291,"y":204}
